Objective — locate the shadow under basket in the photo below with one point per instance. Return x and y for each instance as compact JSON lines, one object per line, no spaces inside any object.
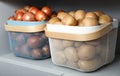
{"x":27,"y":39}
{"x":83,"y":52}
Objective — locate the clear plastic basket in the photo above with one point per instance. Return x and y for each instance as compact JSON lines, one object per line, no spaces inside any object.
{"x":85,"y":53}
{"x":28,"y":40}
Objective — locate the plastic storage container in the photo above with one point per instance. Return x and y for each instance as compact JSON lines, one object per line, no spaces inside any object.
{"x":82,"y":48}
{"x":27,"y":39}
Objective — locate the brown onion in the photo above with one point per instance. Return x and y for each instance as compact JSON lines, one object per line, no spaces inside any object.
{"x":27,"y":7}
{"x":33,"y":9}
{"x":20,"y":10}
{"x":34,"y":41}
{"x":47,"y":10}
{"x":46,"y":50}
{"x":40,"y":15}
{"x":11,"y":18}
{"x":19,"y":16}
{"x":28,"y":16}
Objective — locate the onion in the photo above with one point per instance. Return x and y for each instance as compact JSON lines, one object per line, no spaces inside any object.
{"x":28,"y":16}
{"x":27,"y":7}
{"x":11,"y":18}
{"x":40,"y":15}
{"x":19,"y":16}
{"x":33,"y":9}
{"x":20,"y":10}
{"x":47,"y":10}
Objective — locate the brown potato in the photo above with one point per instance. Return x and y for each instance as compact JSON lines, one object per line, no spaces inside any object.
{"x":56,"y":44}
{"x":69,"y":20}
{"x":59,"y":23}
{"x":80,"y":22}
{"x":91,"y":65}
{"x":72,"y":64}
{"x":103,"y":19}
{"x":89,"y":22}
{"x":59,"y":57}
{"x":53,"y":20}
{"x":60,"y":15}
{"x":53,"y":15}
{"x":91,"y":15}
{"x":67,"y":43}
{"x":77,"y":44}
{"x":71,"y":54}
{"x":93,"y":42}
{"x":80,"y":14}
{"x":86,"y":52}
{"x":99,"y":13}
{"x":103,"y":54}
{"x":99,"y":49}
{"x":72,"y":13}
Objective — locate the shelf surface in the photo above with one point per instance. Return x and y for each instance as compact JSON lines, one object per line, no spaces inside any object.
{"x":47,"y":66}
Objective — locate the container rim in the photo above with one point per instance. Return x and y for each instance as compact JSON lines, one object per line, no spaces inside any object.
{"x":24,"y":23}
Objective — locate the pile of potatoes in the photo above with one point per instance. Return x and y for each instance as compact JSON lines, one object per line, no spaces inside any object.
{"x":84,"y":56}
{"x":80,"y":18}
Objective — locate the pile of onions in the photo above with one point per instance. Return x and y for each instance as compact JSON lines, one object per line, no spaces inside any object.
{"x":32,"y":13}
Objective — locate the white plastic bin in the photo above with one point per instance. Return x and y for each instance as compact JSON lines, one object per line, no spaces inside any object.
{"x":84,"y":51}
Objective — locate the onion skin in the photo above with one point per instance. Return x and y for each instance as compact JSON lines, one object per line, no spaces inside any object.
{"x":20,"y":10}
{"x":27,"y":7}
{"x":19,"y":16}
{"x":40,"y":15}
{"x":33,"y":9}
{"x":11,"y":18}
{"x":28,"y":16}
{"x":47,"y":10}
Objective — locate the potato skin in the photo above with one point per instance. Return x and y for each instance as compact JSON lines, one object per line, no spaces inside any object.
{"x":91,"y":65}
{"x":86,"y":52}
{"x":71,"y":54}
{"x":69,"y":20}
{"x":90,"y":22}
{"x":80,"y":14}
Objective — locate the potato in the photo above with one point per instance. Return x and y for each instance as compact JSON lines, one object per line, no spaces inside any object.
{"x":91,"y":15}
{"x":80,"y":22}
{"x":59,"y":23}
{"x":56,"y":44}
{"x":90,"y":65}
{"x":53,"y":20}
{"x":77,"y":44}
{"x":99,"y":13}
{"x":59,"y":57}
{"x":99,"y":49}
{"x":72,"y":13}
{"x":103,"y":19}
{"x":86,"y":52}
{"x":67,"y":43}
{"x":60,"y":15}
{"x":71,"y":54}
{"x":89,"y":22}
{"x":72,"y":64}
{"x":93,"y":42}
{"x":80,"y":14}
{"x":54,"y":14}
{"x":69,"y":20}
{"x":103,"y":54}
